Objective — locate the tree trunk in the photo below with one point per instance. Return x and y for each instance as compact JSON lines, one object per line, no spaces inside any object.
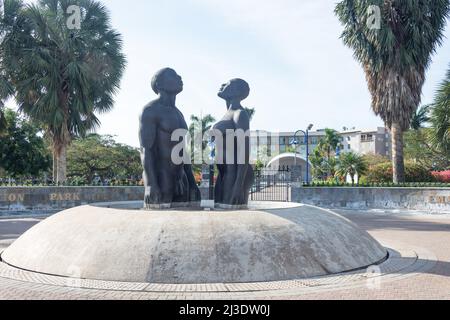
{"x":61,"y":177}
{"x":55,"y":166}
{"x":398,"y":163}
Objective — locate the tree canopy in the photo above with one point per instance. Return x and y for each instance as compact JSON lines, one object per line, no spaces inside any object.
{"x":61,"y":75}
{"x":23,"y":152}
{"x":101,"y":157}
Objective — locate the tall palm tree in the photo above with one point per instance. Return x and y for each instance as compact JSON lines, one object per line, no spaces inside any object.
{"x":2,"y":119}
{"x":395,"y":57}
{"x":64,"y":76}
{"x":440,"y":116}
{"x":328,"y":145}
{"x":351,"y":164}
{"x":318,"y":164}
{"x":331,"y":141}
{"x":420,"y":118}
{"x":201,"y":124}
{"x":10,"y":22}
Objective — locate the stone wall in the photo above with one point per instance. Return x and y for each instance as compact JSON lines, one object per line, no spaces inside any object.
{"x":51,"y":199}
{"x":18,"y":199}
{"x":424,"y":199}
{"x":47,"y":199}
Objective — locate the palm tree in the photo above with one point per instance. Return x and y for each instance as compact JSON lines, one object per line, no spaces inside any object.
{"x":319,"y":165}
{"x":10,"y":22}
{"x":3,"y":123}
{"x":351,"y":164}
{"x":5,"y":92}
{"x":440,"y":117}
{"x":64,"y":76}
{"x":420,"y":118}
{"x":201,"y":124}
{"x":328,"y":145}
{"x":331,"y":141}
{"x":395,"y":57}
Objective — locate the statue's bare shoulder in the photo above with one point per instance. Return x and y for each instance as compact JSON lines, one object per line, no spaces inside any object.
{"x":148,"y":123}
{"x":151,"y":111}
{"x":241,"y":119}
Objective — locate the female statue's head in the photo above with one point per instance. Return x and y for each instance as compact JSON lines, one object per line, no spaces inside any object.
{"x":236,"y":89}
{"x":167,"y":80}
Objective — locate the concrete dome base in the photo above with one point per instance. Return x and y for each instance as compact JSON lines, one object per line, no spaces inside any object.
{"x":282,"y":242}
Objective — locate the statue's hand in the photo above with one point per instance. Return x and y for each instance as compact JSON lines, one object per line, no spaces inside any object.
{"x":237,"y":197}
{"x":153,"y":195}
{"x":195,"y":195}
{"x":181,"y":186}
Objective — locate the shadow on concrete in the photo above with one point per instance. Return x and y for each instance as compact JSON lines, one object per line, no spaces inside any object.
{"x":11,"y":229}
{"x":371,"y":222}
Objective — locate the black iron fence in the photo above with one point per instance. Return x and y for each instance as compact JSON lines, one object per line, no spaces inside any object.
{"x":32,"y":182}
{"x":272,"y":185}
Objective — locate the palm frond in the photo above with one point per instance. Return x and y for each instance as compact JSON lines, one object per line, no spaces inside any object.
{"x":440,"y":116}
{"x":63,"y":77}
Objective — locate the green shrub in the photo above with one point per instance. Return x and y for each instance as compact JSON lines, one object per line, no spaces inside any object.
{"x":382,"y":173}
{"x":379,"y":173}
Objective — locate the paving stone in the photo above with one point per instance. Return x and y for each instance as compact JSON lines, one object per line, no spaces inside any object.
{"x":418,"y":268}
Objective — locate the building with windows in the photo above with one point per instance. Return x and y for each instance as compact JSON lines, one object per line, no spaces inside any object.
{"x":271,"y":144}
{"x":377,"y":141}
{"x":278,"y":149}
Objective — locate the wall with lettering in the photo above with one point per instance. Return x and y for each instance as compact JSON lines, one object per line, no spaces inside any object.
{"x":431,"y":200}
{"x":57,"y":198}
{"x":17,"y":200}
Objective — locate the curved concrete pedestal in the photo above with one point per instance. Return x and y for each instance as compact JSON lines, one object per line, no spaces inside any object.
{"x":282,"y":242}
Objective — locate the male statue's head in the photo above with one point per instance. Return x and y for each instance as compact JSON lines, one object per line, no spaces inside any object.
{"x":235,"y":90}
{"x":168,"y":81}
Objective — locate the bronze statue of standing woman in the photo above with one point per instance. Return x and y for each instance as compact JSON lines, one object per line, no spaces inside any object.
{"x":233,"y":149}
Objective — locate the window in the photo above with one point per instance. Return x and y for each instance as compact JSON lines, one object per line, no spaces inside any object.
{"x":349,"y":147}
{"x":282,"y":141}
{"x":366,"y":138}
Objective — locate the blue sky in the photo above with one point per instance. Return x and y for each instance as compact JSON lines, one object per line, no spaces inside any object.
{"x":288,"y":50}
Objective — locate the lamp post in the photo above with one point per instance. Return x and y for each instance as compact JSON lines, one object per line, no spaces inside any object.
{"x":212,"y":158}
{"x":295,"y":143}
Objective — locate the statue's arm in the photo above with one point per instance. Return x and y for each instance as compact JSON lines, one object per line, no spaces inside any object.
{"x":147,"y":135}
{"x":194,"y":190}
{"x":242,"y":122}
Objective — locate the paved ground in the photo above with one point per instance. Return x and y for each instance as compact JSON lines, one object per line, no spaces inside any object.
{"x":11,"y":229}
{"x":429,"y":233}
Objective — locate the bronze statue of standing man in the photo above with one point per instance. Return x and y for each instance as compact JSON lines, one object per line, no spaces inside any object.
{"x":167,"y":184}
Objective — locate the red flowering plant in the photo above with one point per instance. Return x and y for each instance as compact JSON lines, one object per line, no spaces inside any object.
{"x":443,"y":176}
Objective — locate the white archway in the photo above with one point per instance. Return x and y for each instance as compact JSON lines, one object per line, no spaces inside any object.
{"x":287,"y":159}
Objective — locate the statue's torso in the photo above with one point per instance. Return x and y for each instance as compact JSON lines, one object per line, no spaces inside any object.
{"x":227,"y":122}
{"x":168,"y":120}
{"x":228,"y":126}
